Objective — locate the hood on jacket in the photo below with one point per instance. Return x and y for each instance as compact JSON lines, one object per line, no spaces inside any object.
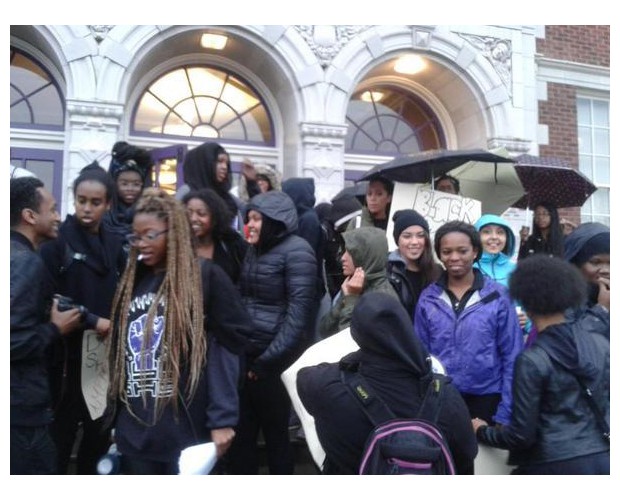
{"x":199,"y":168}
{"x":301,"y":191}
{"x":383,"y":329}
{"x":273,"y":176}
{"x":487,"y":219}
{"x":369,"y":249}
{"x":575,"y":242}
{"x":277,"y":206}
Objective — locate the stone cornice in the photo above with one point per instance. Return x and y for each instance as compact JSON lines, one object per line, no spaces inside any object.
{"x":323,"y":130}
{"x":95,"y":109}
{"x":573,"y":73}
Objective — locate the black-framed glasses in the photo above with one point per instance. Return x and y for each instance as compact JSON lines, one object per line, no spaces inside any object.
{"x":134,"y":239}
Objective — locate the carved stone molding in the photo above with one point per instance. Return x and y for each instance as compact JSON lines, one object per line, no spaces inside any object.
{"x":100,"y":31}
{"x":95,"y":109}
{"x":512,"y":144}
{"x":326,"y":41}
{"x":323,"y":130}
{"x":498,"y":52}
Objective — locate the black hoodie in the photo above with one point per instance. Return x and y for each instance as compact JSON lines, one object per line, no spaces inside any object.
{"x":395,"y":363}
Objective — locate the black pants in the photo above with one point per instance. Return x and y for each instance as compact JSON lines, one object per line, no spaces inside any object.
{"x":140,"y":466}
{"x":264,"y":406}
{"x":596,"y":463}
{"x":32,"y":450}
{"x":70,"y":412}
{"x":482,"y":406}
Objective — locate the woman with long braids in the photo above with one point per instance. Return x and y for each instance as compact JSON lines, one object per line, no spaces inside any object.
{"x":178,"y":326}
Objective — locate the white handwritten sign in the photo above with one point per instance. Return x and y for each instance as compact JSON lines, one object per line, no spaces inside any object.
{"x":95,"y":372}
{"x":436,"y":207}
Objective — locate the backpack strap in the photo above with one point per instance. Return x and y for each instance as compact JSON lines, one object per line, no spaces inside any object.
{"x":433,"y":399}
{"x":68,"y":257}
{"x":372,"y":405}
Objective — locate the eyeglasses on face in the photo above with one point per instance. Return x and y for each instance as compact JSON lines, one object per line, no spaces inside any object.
{"x":134,"y":239}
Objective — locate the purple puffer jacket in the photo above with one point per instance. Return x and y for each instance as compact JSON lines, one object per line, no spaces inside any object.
{"x":478,"y":349}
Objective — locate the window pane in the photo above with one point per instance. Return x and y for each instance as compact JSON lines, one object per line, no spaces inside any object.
{"x":585,"y":166}
{"x":585,"y":140}
{"x":601,"y":141}
{"x":600,"y":201}
{"x":44,"y":170}
{"x":47,"y":107}
{"x":583,"y":112}
{"x":601,"y":170}
{"x":600,"y":113}
{"x":200,"y":101}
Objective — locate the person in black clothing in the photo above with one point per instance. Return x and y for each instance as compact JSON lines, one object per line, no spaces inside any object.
{"x":208,"y":166}
{"x":398,"y":367}
{"x":278,"y":288}
{"x":214,"y":236}
{"x":447,"y":184}
{"x":411,"y":267}
{"x":86,"y":262}
{"x":547,"y":236}
{"x":177,"y":329}
{"x":553,"y":429}
{"x":130,"y":169}
{"x":34,"y":327}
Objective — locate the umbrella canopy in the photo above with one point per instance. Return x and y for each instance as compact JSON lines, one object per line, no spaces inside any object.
{"x":358,"y":190}
{"x":551,"y":180}
{"x":425,"y":166}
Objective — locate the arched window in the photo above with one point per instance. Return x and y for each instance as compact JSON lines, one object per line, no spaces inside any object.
{"x":201,"y":101}
{"x":387,"y":120}
{"x":36,"y":99}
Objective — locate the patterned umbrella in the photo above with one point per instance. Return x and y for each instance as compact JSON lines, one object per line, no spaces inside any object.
{"x":551,"y":180}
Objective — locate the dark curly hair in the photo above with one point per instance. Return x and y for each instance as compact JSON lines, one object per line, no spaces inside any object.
{"x":24,"y":194}
{"x":95,"y":172}
{"x":221,"y":218}
{"x":547,"y":285}
{"x":458,"y":226}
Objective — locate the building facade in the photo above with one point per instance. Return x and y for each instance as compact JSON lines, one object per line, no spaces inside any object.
{"x":327,"y":102}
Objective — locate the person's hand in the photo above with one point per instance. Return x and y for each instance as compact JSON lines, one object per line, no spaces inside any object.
{"x":103,"y":327}
{"x":252,"y":376}
{"x":66,"y":321}
{"x":248,"y":170}
{"x":603,"y":292}
{"x":524,"y":233}
{"x":522,"y":319}
{"x":354,"y":284}
{"x":477,"y":423}
{"x":222,"y":438}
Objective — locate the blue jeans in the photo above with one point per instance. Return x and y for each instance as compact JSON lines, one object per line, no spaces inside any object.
{"x":32,"y":450}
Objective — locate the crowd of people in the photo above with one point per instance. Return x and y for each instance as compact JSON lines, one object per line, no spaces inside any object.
{"x":201,"y":300}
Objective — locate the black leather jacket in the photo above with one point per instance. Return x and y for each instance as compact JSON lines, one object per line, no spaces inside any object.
{"x":31,"y":335}
{"x":551,"y":419}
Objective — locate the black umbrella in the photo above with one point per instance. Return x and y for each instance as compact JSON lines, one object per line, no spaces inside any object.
{"x":358,"y":190}
{"x":551,"y":180}
{"x":425,"y":166}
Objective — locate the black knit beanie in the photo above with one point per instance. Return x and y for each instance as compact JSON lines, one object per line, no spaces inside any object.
{"x":598,"y":244}
{"x":405,"y":218}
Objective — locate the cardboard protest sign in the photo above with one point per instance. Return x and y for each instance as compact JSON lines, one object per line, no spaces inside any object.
{"x":95,"y":372}
{"x":436,"y":207}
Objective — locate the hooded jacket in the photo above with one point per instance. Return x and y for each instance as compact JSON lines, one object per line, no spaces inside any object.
{"x":278,"y":287}
{"x":397,"y":366}
{"x":369,"y":249}
{"x":199,"y":172}
{"x":497,"y":266}
{"x":551,"y":419}
{"x":273,"y":176}
{"x":478,"y":347}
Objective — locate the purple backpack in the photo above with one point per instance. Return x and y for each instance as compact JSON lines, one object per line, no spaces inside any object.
{"x":405,"y":445}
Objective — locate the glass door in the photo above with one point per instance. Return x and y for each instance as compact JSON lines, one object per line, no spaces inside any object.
{"x":168,"y":167}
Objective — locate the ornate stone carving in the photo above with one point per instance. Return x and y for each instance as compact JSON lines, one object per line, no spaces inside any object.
{"x":327,"y":40}
{"x":498,"y":52}
{"x":100,"y":31}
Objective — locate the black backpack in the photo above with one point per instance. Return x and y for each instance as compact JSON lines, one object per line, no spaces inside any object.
{"x":401,"y":446}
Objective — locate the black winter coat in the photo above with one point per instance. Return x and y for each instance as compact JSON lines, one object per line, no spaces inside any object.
{"x":31,"y":335}
{"x":551,"y":420}
{"x":278,"y":288}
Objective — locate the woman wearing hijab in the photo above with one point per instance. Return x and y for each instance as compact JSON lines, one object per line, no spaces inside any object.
{"x":554,"y":429}
{"x":395,"y":363}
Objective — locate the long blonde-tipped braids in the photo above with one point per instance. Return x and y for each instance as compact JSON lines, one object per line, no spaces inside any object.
{"x":183,"y":344}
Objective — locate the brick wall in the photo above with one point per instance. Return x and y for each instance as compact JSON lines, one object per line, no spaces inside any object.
{"x":575,"y":43}
{"x":587,"y":44}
